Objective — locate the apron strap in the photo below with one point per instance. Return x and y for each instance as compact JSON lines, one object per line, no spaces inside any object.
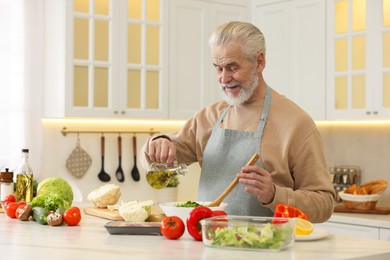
{"x":221,"y":117}
{"x":264,"y":114}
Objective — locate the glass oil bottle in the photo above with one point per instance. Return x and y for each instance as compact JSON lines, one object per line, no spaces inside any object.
{"x":24,"y":179}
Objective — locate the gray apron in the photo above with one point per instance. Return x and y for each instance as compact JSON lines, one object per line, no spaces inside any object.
{"x":225,"y":153}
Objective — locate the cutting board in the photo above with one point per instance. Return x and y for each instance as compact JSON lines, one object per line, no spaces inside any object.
{"x":378,"y":210}
{"x":103,"y":213}
{"x":155,"y":216}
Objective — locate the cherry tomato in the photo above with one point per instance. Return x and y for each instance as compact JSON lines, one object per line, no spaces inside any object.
{"x":172,"y":227}
{"x":9,"y":198}
{"x":195,"y":216}
{"x":72,"y":216}
{"x":11,"y":209}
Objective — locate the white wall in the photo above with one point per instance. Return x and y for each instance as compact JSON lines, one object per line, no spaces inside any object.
{"x":364,"y":146}
{"x":57,"y":148}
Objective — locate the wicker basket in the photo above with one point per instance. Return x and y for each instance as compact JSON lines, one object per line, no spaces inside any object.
{"x":364,"y":202}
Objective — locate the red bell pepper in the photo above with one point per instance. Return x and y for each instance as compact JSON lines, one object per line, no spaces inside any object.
{"x":194,"y":227}
{"x":287,"y":211}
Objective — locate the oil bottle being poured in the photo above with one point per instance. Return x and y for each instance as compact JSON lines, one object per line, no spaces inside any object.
{"x":160,"y":174}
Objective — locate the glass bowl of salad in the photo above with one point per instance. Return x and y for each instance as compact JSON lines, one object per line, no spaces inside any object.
{"x":183,"y":208}
{"x":251,"y":233}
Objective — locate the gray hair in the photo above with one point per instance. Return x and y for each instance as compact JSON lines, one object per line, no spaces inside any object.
{"x":249,"y":36}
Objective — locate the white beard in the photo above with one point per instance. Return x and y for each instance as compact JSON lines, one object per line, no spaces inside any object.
{"x":246,"y":90}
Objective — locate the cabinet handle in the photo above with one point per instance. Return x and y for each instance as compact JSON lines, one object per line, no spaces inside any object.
{"x":115,"y":112}
{"x":123,"y":112}
{"x":375,"y":112}
{"x":368,"y":112}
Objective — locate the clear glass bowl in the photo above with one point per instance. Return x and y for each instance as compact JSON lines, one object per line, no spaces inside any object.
{"x":249,"y":233}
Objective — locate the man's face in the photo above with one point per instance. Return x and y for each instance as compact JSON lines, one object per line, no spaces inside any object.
{"x":237,"y":76}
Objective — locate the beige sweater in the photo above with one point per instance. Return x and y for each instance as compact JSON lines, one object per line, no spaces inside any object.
{"x":291,"y":150}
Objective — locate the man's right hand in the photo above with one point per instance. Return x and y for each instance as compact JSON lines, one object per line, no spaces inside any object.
{"x":162,"y":150}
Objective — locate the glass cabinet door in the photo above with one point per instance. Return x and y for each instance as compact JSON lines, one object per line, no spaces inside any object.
{"x":116,"y":61}
{"x":92,"y":59}
{"x":385,"y":22}
{"x":142,"y":73}
{"x":359,"y":59}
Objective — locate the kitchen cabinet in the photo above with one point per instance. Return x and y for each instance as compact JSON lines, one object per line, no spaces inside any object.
{"x":384,"y":234}
{"x":363,"y":229}
{"x":192,"y":80}
{"x":358,"y":60}
{"x":350,"y":230}
{"x":105,"y":58}
{"x":295,"y":56}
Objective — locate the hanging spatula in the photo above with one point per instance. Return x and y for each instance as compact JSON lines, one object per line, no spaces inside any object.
{"x":119,"y":171}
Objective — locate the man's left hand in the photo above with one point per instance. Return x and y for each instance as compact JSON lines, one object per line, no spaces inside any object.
{"x":258,"y":182}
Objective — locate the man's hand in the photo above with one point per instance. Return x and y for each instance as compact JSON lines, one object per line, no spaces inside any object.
{"x":258,"y":182}
{"x":162,"y":150}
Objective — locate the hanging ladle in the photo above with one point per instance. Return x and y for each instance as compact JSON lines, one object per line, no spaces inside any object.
{"x":103,"y":176}
{"x":119,"y":171}
{"x":217,"y":201}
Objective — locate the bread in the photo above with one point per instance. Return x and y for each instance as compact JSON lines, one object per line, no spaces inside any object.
{"x":371,"y":187}
{"x":375,"y":187}
{"x":351,"y":189}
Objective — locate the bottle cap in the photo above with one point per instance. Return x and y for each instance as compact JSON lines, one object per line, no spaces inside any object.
{"x":6,"y":176}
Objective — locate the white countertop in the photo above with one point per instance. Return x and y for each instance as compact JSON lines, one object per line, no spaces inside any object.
{"x":90,"y":240}
{"x":370,"y":220}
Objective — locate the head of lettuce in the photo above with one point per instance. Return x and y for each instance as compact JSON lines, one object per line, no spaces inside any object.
{"x":53,"y":193}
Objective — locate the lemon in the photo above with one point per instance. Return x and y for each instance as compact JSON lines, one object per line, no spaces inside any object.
{"x":303,"y":227}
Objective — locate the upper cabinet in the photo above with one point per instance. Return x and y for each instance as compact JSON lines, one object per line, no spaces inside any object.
{"x":106,"y":58}
{"x":192,"y":80}
{"x":358,"y":72}
{"x":295,"y":50}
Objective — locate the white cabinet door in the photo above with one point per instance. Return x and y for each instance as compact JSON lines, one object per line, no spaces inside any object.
{"x":192,"y":82}
{"x":358,"y":59}
{"x":105,"y":59}
{"x":384,"y":234}
{"x":349,"y":230}
{"x":295,"y":57}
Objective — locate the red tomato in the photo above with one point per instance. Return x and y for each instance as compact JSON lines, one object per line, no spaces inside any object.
{"x":9,"y":198}
{"x":172,"y":227}
{"x":72,"y":216}
{"x":11,"y":209}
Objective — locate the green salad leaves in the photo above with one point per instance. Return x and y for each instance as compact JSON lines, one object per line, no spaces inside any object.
{"x":53,"y":193}
{"x":250,"y":237}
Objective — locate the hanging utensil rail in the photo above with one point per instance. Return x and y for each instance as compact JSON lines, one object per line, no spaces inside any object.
{"x":65,"y":131}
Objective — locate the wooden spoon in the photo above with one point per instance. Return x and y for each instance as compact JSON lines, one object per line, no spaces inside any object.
{"x":217,"y":201}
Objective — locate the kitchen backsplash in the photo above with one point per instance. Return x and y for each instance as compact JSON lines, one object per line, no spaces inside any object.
{"x":366,"y":146}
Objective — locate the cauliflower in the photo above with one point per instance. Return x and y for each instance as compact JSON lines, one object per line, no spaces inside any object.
{"x":135,"y":211}
{"x":105,"y":195}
